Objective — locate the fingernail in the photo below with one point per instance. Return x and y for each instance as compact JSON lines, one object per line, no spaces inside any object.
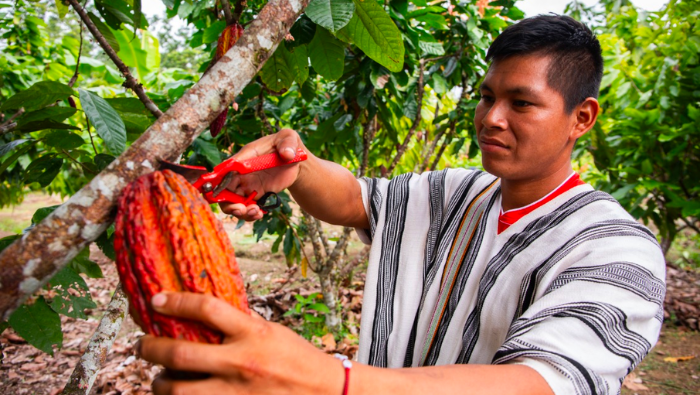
{"x":158,"y":300}
{"x":289,"y":149}
{"x":237,"y":213}
{"x":253,"y":212}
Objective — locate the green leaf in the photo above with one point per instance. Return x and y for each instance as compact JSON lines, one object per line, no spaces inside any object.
{"x":320,"y":307}
{"x":63,"y":139}
{"x":38,"y":324}
{"x":38,"y":95}
{"x":5,"y":148}
{"x":45,"y":124}
{"x":43,"y":170}
{"x":106,"y":243}
{"x":207,"y":150}
{"x":107,"y":122}
{"x":128,"y":104}
{"x":138,"y":14}
{"x":12,"y":159}
{"x":300,"y":63}
{"x":82,"y":264}
{"x":278,"y":72}
{"x":432,"y":48}
{"x":327,"y":54}
{"x":61,"y":8}
{"x":252,"y":90}
{"x":106,"y":32}
{"x":103,"y":160}
{"x":131,"y":52}
{"x":308,"y":90}
{"x":42,"y":213}
{"x":213,"y":32}
{"x":57,"y":114}
{"x":6,"y":241}
{"x":331,"y":14}
{"x":375,"y":33}
{"x":303,"y":32}
{"x":73,"y":295}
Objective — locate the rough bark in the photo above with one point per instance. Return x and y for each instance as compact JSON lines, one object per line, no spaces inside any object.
{"x":32,"y":260}
{"x":95,"y":355}
{"x":130,"y":82}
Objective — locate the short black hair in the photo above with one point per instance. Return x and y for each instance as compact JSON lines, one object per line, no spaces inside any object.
{"x":576,"y":67}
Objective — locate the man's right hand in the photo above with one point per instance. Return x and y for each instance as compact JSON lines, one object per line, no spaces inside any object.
{"x":324,"y":189}
{"x":285,"y":143}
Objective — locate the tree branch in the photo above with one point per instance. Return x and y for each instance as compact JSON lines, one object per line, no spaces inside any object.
{"x":8,"y":125}
{"x":419,"y":98}
{"x":32,"y":260}
{"x":322,"y":236}
{"x":445,"y":143}
{"x":226,"y":6}
{"x":433,"y":145}
{"x":130,"y":82}
{"x":369,"y":130}
{"x":95,"y":355}
{"x":238,"y":10}
{"x":691,"y":225}
{"x":77,"y":61}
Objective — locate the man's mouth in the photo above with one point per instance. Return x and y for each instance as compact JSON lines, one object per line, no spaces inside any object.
{"x":492,"y":144}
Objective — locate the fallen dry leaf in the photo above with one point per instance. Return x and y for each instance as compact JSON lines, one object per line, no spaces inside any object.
{"x":634,"y":383}
{"x":679,"y":359}
{"x":328,"y":342}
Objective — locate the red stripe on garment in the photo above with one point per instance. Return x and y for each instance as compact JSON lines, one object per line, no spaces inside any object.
{"x":512,"y":216}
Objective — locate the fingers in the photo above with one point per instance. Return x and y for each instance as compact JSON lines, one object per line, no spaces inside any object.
{"x":164,"y":384}
{"x":185,"y":356}
{"x":240,"y":211}
{"x":207,"y":309}
{"x":287,"y":143}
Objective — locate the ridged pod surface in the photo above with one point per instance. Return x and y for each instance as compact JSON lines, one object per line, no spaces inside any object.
{"x":168,"y":239}
{"x":227,"y":39}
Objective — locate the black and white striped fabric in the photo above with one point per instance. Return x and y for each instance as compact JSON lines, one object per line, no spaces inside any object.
{"x":574,"y":289}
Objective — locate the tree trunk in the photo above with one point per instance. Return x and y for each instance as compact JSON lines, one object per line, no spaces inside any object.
{"x":31,"y":261}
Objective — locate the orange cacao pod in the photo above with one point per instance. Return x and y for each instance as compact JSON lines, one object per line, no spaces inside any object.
{"x":227,"y":39}
{"x":167,"y":239}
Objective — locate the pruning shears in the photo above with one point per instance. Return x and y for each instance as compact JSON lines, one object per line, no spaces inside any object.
{"x":212,"y":184}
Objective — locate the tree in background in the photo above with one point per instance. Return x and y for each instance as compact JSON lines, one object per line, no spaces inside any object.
{"x":646,"y":142}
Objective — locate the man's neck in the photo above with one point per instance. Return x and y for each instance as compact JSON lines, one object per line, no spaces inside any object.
{"x":520,"y":193}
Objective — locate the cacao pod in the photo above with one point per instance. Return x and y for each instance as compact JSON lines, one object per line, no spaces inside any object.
{"x":227,"y":39}
{"x":167,"y":239}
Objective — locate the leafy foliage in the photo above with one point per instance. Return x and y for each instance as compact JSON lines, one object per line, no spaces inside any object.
{"x":646,"y":142}
{"x":347,"y":78}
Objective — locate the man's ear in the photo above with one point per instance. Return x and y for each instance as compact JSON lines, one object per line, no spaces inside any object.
{"x":586,"y":114}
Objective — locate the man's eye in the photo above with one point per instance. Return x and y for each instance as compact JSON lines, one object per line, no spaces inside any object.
{"x":522,"y":103}
{"x":487,"y":98}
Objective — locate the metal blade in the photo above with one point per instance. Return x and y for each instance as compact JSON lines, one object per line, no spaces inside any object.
{"x":189,"y":173}
{"x":224,"y":183}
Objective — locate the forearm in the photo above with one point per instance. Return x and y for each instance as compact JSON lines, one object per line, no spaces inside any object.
{"x":450,"y":379}
{"x":329,"y":192}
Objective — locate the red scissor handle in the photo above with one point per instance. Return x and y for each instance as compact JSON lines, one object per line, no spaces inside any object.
{"x":259,"y":163}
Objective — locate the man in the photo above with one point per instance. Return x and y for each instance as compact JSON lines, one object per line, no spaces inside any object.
{"x":520,"y":280}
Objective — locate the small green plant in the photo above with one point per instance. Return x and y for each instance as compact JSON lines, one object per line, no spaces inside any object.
{"x":312,"y":314}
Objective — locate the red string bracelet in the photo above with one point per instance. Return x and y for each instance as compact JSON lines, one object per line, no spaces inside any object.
{"x":347,"y":365}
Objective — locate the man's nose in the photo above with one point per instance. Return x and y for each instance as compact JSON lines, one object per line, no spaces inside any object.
{"x":495,"y":116}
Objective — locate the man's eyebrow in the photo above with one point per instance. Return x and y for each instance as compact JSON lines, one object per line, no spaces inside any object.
{"x":522,"y":90}
{"x":485,"y":87}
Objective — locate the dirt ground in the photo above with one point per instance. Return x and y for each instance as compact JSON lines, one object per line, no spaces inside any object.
{"x":672,"y":367}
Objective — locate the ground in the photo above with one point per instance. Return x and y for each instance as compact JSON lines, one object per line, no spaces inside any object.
{"x":672,"y":367}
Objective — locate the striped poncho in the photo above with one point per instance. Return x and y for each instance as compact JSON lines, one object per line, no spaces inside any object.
{"x":574,"y":289}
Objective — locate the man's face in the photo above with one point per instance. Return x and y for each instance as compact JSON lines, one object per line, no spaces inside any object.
{"x":522,"y":127}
